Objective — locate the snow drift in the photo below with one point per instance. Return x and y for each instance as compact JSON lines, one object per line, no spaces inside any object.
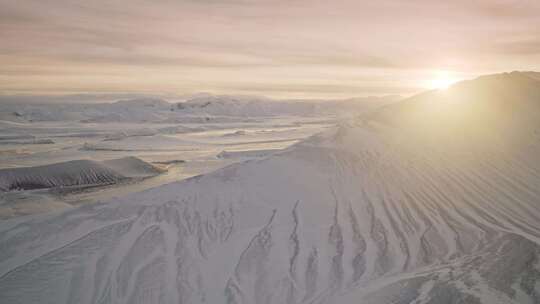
{"x":246,"y":153}
{"x":434,"y":200}
{"x":75,"y":173}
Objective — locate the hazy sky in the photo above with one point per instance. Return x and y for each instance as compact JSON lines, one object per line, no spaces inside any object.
{"x":292,"y":48}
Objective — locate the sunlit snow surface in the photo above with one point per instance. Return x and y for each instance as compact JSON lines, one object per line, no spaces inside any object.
{"x":383,"y":209}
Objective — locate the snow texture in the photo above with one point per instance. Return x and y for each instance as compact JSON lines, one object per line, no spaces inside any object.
{"x":383,"y":209}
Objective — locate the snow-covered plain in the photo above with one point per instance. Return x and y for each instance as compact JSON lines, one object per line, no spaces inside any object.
{"x":432,"y":200}
{"x":185,"y":138}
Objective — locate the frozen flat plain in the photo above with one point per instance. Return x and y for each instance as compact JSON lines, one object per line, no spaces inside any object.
{"x":183,"y":150}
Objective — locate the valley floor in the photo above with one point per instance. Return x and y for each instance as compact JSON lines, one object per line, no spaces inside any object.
{"x":182,"y":150}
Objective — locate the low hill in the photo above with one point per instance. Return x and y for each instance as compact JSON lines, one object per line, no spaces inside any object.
{"x":75,"y":173}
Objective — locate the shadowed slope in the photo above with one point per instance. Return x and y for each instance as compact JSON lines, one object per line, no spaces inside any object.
{"x":75,"y":173}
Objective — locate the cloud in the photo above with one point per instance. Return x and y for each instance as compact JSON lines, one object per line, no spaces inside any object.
{"x":202,"y":39}
{"x":529,"y":46}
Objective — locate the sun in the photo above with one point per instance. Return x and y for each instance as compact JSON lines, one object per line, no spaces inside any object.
{"x":442,"y":80}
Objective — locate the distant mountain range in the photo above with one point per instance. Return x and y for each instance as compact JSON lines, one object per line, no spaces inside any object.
{"x":158,"y":110}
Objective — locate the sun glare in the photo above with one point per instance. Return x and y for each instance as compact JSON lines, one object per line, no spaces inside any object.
{"x":442,"y":80}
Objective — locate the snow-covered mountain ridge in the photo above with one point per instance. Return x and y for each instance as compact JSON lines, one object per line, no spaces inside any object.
{"x":433,"y":200}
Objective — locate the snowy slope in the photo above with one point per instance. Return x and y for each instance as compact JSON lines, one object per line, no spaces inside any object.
{"x":132,"y":167}
{"x":75,"y":173}
{"x":379,"y":210}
